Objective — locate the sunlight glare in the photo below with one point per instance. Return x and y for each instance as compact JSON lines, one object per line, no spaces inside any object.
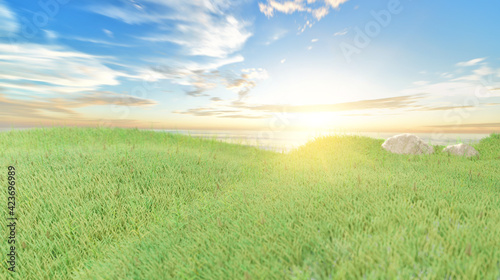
{"x":316,"y":120}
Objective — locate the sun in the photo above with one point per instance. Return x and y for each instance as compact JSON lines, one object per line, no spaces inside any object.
{"x":320,"y":120}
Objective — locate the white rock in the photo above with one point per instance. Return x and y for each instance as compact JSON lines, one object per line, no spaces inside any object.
{"x":461,"y":150}
{"x":407,"y":144}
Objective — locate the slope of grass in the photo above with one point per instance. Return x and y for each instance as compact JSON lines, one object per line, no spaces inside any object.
{"x":130,"y":204}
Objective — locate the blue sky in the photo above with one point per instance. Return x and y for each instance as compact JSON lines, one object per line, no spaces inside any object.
{"x":300,"y":64}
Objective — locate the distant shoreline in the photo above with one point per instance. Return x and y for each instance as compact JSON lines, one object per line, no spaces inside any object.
{"x":284,"y":141}
{"x":288,"y":140}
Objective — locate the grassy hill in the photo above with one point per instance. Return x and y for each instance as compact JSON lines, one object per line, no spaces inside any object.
{"x":131,"y":204}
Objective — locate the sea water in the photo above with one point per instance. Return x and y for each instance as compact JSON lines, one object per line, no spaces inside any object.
{"x":284,"y":141}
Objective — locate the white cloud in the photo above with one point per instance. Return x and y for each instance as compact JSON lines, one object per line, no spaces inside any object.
{"x":470,"y":62}
{"x":52,"y":69}
{"x":277,"y":35}
{"x":444,"y":88}
{"x":266,"y":10}
{"x":108,"y":33}
{"x":8,"y":21}
{"x":314,"y":40}
{"x":223,"y":37}
{"x":246,"y":81}
{"x":129,"y":15}
{"x":255,"y":73}
{"x":421,"y":83}
{"x":56,"y":109}
{"x":178,"y":69}
{"x":283,"y":60}
{"x":320,"y":13}
{"x":447,"y":75}
{"x":291,"y":6}
{"x":483,"y":71}
{"x":478,"y":74}
{"x":481,"y":79}
{"x":287,"y":7}
{"x":204,"y":28}
{"x":341,"y":33}
{"x":335,"y":4}
{"x":96,"y":41}
{"x":51,"y":35}
{"x":306,"y":25}
{"x":199,"y":77}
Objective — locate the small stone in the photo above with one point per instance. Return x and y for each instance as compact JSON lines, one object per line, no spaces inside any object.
{"x":461,"y":150}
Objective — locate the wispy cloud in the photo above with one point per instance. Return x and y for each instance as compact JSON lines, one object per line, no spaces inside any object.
{"x":375,"y":107}
{"x":247,"y":81}
{"x":276,"y":36}
{"x":341,"y":33}
{"x":479,"y":74}
{"x":197,"y":78}
{"x":398,"y":102}
{"x":442,"y":108}
{"x":130,"y":14}
{"x":424,"y":96}
{"x":9,"y":23}
{"x":204,"y":31}
{"x":266,"y":111}
{"x":464,"y":83}
{"x":108,"y":33}
{"x":470,"y":125}
{"x":245,"y":116}
{"x":108,"y":98}
{"x":53,"y":68}
{"x":203,"y":78}
{"x":471,"y":62}
{"x":223,"y":113}
{"x":50,"y":34}
{"x":421,"y":83}
{"x":97,"y":41}
{"x":36,"y":108}
{"x":215,"y":38}
{"x":202,"y":28}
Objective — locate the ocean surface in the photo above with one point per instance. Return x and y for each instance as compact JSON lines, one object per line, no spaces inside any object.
{"x":284,"y":141}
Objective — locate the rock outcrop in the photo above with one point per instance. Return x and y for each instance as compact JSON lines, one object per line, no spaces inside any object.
{"x":461,"y":150}
{"x":407,"y":144}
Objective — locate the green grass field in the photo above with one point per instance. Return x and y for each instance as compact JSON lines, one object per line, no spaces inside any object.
{"x":131,"y":204}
